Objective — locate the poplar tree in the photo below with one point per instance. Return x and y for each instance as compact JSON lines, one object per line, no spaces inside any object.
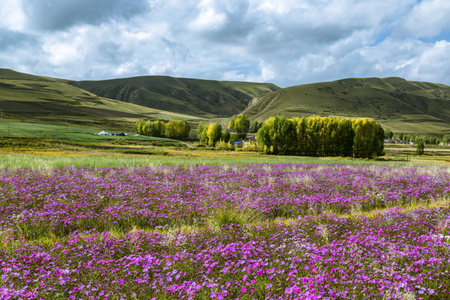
{"x":241,"y":124}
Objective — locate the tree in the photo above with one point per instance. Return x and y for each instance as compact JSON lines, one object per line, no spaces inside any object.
{"x":400,"y":136}
{"x":446,"y":139}
{"x":388,"y":134}
{"x":138,"y":126}
{"x":369,"y":138}
{"x":225,"y":136}
{"x":241,"y":124}
{"x":300,"y":131}
{"x":234,"y":138}
{"x":155,"y":128}
{"x":436,"y":141}
{"x":213,"y":132}
{"x":177,"y":129}
{"x":200,"y":128}
{"x":256,"y":126}
{"x":420,"y":147}
{"x":278,"y":135}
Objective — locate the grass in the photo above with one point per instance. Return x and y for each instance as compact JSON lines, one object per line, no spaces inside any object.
{"x":46,"y":146}
{"x":25,"y":97}
{"x":23,"y":130}
{"x":400,"y":105}
{"x":204,"y":98}
{"x":173,"y":157}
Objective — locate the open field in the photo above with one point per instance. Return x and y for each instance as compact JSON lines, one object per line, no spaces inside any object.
{"x":164,"y":156}
{"x":45,"y":100}
{"x":269,"y":231}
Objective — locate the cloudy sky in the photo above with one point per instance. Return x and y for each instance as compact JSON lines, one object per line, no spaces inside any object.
{"x":287,"y":42}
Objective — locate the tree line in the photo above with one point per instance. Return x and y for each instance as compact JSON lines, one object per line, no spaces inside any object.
{"x":426,"y":139}
{"x":322,"y":136}
{"x":171,"y":129}
{"x":211,"y":134}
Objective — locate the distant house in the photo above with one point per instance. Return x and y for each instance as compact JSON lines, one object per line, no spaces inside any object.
{"x":103,"y":132}
{"x":238,"y":144}
{"x":250,"y":138}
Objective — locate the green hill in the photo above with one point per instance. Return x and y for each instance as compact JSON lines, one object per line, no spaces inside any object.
{"x":403,"y":106}
{"x":46,"y":100}
{"x":205,"y":98}
{"x":398,"y":104}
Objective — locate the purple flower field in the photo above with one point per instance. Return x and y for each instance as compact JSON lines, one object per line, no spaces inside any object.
{"x":228,"y":232}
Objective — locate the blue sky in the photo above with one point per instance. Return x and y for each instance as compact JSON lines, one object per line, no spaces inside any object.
{"x":286,"y":42}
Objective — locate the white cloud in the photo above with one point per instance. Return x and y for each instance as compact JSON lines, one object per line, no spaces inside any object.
{"x":11,"y":15}
{"x":427,"y":19}
{"x":209,"y":18}
{"x":433,"y":64}
{"x":282,"y":41}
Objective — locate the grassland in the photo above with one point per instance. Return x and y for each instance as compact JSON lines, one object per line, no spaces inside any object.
{"x":403,"y":106}
{"x":48,"y":153}
{"x":204,"y":98}
{"x":45,"y":100}
{"x":400,"y":105}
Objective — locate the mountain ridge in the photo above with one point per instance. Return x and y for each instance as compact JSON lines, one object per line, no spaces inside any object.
{"x":403,"y":106}
{"x":201,"y":97}
{"x":395,"y":102}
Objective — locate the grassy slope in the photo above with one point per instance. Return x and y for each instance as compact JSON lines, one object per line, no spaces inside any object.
{"x":403,"y":106}
{"x":25,"y":97}
{"x":205,"y":98}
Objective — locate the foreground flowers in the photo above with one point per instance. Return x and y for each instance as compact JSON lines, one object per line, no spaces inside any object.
{"x":68,"y":234}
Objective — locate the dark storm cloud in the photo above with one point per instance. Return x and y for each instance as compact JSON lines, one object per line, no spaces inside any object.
{"x":62,"y":14}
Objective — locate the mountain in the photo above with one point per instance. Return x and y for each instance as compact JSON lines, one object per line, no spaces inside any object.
{"x":403,"y":106}
{"x":25,"y":97}
{"x":204,"y":98}
{"x":398,"y":104}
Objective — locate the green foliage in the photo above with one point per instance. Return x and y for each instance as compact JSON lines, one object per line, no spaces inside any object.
{"x":226,"y":135}
{"x":278,"y":135}
{"x":412,"y":107}
{"x":200,"y":129}
{"x":322,"y":136}
{"x":388,"y":134}
{"x":209,"y":134}
{"x":446,"y":139}
{"x":235,"y":138}
{"x":177,"y":129}
{"x":156,"y":128}
{"x":241,"y":124}
{"x":369,"y":138}
{"x":214,"y":133}
{"x":172,"y":129}
{"x":420,"y":147}
{"x":256,"y":126}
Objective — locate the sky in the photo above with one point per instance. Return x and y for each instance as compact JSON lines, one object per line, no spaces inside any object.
{"x":286,"y":42}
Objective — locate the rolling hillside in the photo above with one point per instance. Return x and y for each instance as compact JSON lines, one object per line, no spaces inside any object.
{"x":403,"y":106}
{"x":204,"y":98}
{"x":25,"y":97}
{"x":398,"y":104}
